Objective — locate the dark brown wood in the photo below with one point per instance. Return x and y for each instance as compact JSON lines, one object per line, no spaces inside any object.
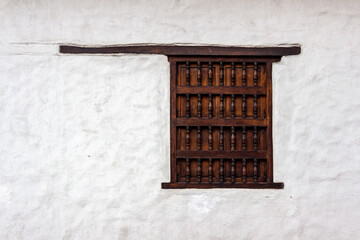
{"x":221,"y":105}
{"x":199,"y":106}
{"x":255,"y":139}
{"x":221,"y":139}
{"x":176,"y":50}
{"x":243,"y":138}
{"x":220,"y":90}
{"x":210,"y":171}
{"x":243,"y":107}
{"x":210,"y":106}
{"x":221,"y":170}
{"x":232,"y":105}
{"x":232,"y":74}
{"x":255,"y":106}
{"x":198,"y":73}
{"x":187,"y":74}
{"x":233,"y":170}
{"x":244,"y":170}
{"x":199,"y":170}
{"x":223,"y":185}
{"x":210,"y":74}
{"x":255,"y":74}
{"x":255,"y":170}
{"x":210,"y":138}
{"x":232,"y":138}
{"x":221,"y":154}
{"x":221,"y":74}
{"x":244,"y":73}
{"x":187,"y":170}
{"x":187,"y":138}
{"x":198,"y":138}
{"x":219,"y":122}
{"x":187,"y":105}
{"x":221,"y":131}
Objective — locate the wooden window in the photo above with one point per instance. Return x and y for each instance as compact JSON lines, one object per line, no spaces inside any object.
{"x":221,"y":113}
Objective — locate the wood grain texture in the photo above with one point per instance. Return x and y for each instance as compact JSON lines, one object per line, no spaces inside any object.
{"x":171,"y":50}
{"x":221,"y":133}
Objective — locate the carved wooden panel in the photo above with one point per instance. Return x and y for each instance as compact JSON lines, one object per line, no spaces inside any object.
{"x":221,"y":132}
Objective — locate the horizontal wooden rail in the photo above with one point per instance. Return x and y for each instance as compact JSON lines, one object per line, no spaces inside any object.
{"x":178,"y":50}
{"x":221,"y":154}
{"x":223,"y":185}
{"x":220,"y":90}
{"x":220,"y":122}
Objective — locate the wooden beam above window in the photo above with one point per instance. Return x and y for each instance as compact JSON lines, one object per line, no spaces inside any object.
{"x":178,"y":50}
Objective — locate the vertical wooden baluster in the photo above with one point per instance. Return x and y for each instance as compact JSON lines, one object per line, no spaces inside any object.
{"x":221,"y":74}
{"x":187,"y":170}
{"x":210,"y":105}
{"x":187,"y":138}
{"x":232,"y":105}
{"x":232,"y":138}
{"x":210,"y":138}
{"x":199,"y":106}
{"x":187,"y":74}
{"x":264,"y":114}
{"x":255,"y":139}
{"x":255,"y":73}
{"x":221,"y":138}
{"x":244,"y":170}
{"x":255,"y":170}
{"x":198,"y":138}
{"x":232,"y":74}
{"x":232,"y":170}
{"x":187,"y":105}
{"x":244,"y":73}
{"x":255,"y":106}
{"x":243,"y":138}
{"x":221,"y":105}
{"x":199,"y":170}
{"x":244,"y":106}
{"x":198,"y":74}
{"x":210,"y":74}
{"x":210,"y":170}
{"x":221,"y":170}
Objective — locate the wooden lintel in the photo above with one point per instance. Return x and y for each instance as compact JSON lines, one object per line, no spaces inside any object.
{"x":177,"y":50}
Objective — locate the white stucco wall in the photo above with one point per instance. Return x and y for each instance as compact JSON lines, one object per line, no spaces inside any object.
{"x":84,"y":140}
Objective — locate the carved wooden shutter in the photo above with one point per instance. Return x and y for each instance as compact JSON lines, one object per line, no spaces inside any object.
{"x":221,"y":133}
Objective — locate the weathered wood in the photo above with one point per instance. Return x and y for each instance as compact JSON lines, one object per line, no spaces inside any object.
{"x":233,"y":170}
{"x":220,"y":90}
{"x":232,"y":138}
{"x":210,"y":74}
{"x":210,"y":138}
{"x":171,"y":50}
{"x":210,"y":171}
{"x":244,"y":170}
{"x":220,"y":154}
{"x":187,"y":138}
{"x":221,"y":138}
{"x":187,"y":170}
{"x":219,"y":122}
{"x":218,"y":134}
{"x":221,"y":170}
{"x":199,"y":170}
{"x":223,"y":185}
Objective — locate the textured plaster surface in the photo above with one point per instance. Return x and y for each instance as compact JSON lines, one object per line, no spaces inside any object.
{"x":84,"y":140}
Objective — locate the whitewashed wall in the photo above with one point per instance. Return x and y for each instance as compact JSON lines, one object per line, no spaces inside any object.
{"x":84,"y":140}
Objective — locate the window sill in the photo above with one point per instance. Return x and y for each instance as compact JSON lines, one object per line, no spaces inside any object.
{"x":279,"y":185}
